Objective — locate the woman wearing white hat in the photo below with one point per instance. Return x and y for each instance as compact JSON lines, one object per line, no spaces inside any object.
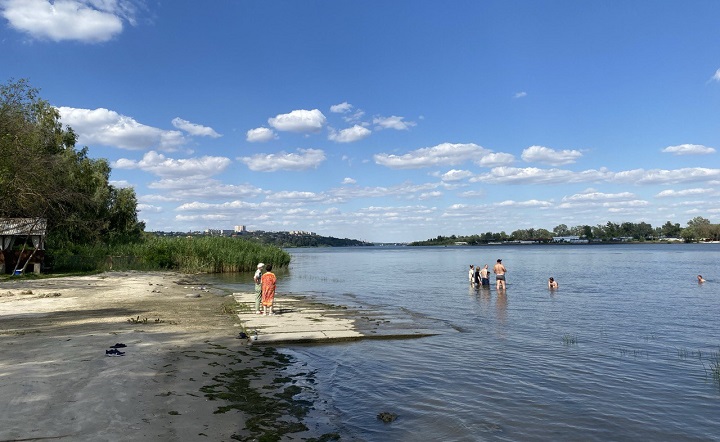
{"x":258,"y":287}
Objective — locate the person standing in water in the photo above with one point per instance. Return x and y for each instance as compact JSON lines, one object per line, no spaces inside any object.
{"x":485,"y":276}
{"x":499,"y":270}
{"x":471,"y":274}
{"x":552,"y":284}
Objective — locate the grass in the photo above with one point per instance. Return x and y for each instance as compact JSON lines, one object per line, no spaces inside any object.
{"x":189,"y":255}
{"x":712,"y":369}
{"x":569,"y":339}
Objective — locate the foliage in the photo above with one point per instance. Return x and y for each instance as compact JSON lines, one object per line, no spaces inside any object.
{"x":43,"y":175}
{"x":190,"y":255}
{"x":288,"y":240}
{"x":698,"y":229}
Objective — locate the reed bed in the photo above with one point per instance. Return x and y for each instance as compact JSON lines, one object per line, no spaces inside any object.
{"x":189,"y":255}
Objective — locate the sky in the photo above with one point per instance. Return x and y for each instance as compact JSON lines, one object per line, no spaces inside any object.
{"x":386,"y":121}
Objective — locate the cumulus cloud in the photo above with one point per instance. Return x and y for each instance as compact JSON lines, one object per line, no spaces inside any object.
{"x":305,"y":159}
{"x":545,"y":155}
{"x":520,"y":95}
{"x":90,"y":21}
{"x":495,"y":159}
{"x":299,"y":121}
{"x":456,"y":175}
{"x":108,"y":128}
{"x":393,"y":122}
{"x":599,"y":196}
{"x":195,"y":129}
{"x":341,"y":108}
{"x":684,"y":193}
{"x":528,"y":203}
{"x":176,"y":189}
{"x":689,"y":149}
{"x":349,"y":135}
{"x":446,"y":154}
{"x":260,"y":135}
{"x":349,"y":181}
{"x":162,"y":166}
{"x":534,"y":175}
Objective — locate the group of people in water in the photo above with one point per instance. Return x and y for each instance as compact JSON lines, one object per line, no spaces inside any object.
{"x":480,"y":277}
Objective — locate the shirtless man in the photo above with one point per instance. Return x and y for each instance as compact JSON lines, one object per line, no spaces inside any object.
{"x":499,"y":270}
{"x":484,"y":276}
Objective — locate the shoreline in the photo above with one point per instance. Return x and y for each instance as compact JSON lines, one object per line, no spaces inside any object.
{"x":183,"y":374}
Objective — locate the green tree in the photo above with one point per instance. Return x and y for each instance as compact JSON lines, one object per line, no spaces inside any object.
{"x":670,"y":230}
{"x":701,"y":226}
{"x":42,"y":175}
{"x":561,"y":230}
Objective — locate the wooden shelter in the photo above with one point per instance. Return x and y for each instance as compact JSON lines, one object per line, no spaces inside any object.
{"x":22,"y":244}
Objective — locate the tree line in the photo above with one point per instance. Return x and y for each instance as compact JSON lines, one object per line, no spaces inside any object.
{"x":697,"y":229}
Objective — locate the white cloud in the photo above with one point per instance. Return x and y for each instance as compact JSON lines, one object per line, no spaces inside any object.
{"x":195,"y":129}
{"x":446,"y":154}
{"x":661,"y":176}
{"x":716,"y":76}
{"x":689,"y":149}
{"x":456,"y":175}
{"x":545,"y":155}
{"x":528,"y":203}
{"x":162,"y":166}
{"x":108,"y":128}
{"x":598,"y":196}
{"x":260,"y":135}
{"x":349,"y":181}
{"x":496,"y":159}
{"x":430,"y":195}
{"x":90,"y":21}
{"x":473,"y":194}
{"x":176,"y":189}
{"x":684,"y":193}
{"x":341,"y":108}
{"x":305,"y":159}
{"x":520,"y":95}
{"x":349,"y":135}
{"x":534,"y":175}
{"x":299,"y":121}
{"x":393,"y":122}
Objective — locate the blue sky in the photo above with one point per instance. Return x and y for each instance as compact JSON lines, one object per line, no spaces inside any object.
{"x":386,"y":120}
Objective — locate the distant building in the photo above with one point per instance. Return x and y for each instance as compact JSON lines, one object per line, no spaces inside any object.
{"x":570,"y":239}
{"x":240,"y":229}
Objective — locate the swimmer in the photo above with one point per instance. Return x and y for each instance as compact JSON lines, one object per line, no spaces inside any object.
{"x":552,"y":284}
{"x":700,"y":279}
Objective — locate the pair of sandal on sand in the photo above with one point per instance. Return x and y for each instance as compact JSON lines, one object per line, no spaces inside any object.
{"x":114,"y":350}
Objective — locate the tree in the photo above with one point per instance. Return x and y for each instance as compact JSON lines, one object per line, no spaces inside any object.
{"x":42,"y":175}
{"x":701,"y":226}
{"x":670,"y":230}
{"x":561,"y":230}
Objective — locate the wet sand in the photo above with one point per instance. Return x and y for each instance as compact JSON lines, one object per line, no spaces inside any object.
{"x":183,"y":376}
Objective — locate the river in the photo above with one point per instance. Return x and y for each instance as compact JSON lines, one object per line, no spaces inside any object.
{"x":625,"y":349}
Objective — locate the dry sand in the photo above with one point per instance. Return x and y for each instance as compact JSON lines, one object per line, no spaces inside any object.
{"x":56,"y":381}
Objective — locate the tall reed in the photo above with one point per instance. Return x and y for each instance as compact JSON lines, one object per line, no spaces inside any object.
{"x":190,"y":255}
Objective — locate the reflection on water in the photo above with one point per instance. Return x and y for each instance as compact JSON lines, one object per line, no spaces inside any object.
{"x":643,"y":334}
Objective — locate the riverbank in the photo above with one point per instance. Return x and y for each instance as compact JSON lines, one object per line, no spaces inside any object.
{"x":179,"y":372}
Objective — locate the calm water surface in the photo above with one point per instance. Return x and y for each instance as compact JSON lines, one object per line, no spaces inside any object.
{"x":623,"y":350}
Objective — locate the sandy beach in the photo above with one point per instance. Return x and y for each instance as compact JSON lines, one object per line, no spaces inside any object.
{"x":183,"y":375}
